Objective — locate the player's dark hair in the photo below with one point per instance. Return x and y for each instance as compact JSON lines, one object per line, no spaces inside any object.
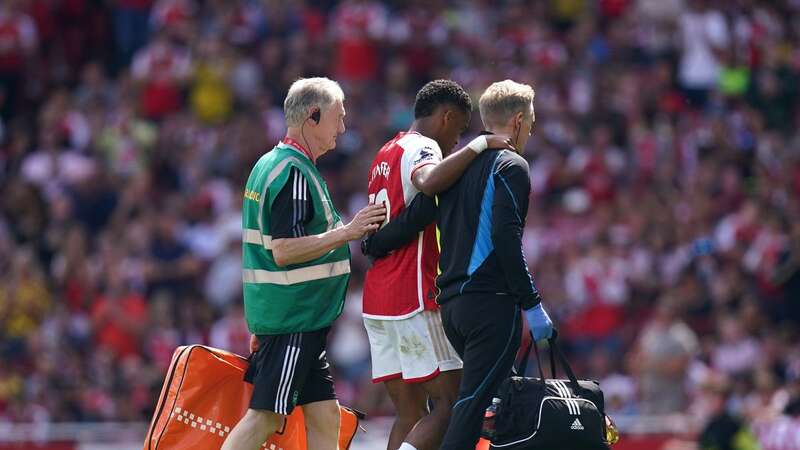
{"x":440,"y":92}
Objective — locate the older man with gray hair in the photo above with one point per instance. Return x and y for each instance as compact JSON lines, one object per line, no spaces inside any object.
{"x":296,"y":267}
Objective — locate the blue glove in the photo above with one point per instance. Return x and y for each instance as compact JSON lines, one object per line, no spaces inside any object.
{"x":539,"y":322}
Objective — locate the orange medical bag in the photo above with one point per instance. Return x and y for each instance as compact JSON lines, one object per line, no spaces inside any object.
{"x":205,"y":395}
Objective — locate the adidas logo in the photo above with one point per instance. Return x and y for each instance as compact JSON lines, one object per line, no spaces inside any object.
{"x":577,"y":425}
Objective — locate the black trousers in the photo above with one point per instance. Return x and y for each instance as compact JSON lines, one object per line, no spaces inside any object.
{"x":485,"y":330}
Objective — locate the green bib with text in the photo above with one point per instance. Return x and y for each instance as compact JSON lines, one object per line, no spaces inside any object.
{"x":300,"y":297}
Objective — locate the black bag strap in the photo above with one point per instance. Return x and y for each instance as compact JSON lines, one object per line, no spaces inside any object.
{"x":553,"y":370}
{"x":556,"y":349}
{"x":526,"y":357}
{"x":555,"y":352}
{"x":523,"y":365}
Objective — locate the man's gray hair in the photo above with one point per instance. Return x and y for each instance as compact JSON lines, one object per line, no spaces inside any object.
{"x":308,"y":93}
{"x":502,"y":100}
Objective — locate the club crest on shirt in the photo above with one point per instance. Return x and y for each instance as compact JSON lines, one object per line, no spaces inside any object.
{"x":426,"y":154}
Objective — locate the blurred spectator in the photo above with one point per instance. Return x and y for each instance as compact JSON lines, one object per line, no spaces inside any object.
{"x":230,"y":332}
{"x":171,"y":265}
{"x":662,"y":355}
{"x":118,"y":316}
{"x":25,"y":300}
{"x":736,"y":352}
{"x":704,"y":32}
{"x":359,"y":25}
{"x":94,"y":90}
{"x":782,"y":433}
{"x":619,"y":389}
{"x":596,"y":285}
{"x":663,"y":225}
{"x":162,"y":69}
{"x":18,"y":42}
{"x":126,"y":142}
{"x":130,"y":28}
{"x":787,"y":275}
{"x":212,"y":99}
{"x":173,"y":17}
{"x":723,"y":430}
{"x":54,"y":168}
{"x":349,"y":349}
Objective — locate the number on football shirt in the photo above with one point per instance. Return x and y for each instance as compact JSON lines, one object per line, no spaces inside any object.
{"x":382,"y":197}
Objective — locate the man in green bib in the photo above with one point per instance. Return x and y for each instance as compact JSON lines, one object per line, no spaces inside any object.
{"x":296,"y":266}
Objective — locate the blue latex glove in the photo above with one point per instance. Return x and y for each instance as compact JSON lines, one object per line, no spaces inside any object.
{"x":539,"y":322}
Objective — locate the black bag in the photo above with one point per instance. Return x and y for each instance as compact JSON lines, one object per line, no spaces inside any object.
{"x":546,"y":414}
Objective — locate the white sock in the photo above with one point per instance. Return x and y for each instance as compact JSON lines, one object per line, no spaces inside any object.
{"x":406,"y":446}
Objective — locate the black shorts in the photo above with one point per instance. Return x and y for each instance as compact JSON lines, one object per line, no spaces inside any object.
{"x":289,"y":370}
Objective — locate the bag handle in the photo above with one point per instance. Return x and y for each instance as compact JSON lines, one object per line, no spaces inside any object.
{"x":556,"y":349}
{"x":555,"y":352}
{"x":552,"y":359}
{"x":523,"y":366}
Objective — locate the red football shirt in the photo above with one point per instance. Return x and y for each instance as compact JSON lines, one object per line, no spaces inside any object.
{"x":402,"y":283}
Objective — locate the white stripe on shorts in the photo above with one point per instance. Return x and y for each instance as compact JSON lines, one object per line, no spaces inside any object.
{"x":287,"y":357}
{"x":437,"y":345}
{"x":287,"y":374}
{"x":448,"y":352}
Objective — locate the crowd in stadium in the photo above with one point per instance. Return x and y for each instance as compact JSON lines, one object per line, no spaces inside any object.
{"x":663,"y":231}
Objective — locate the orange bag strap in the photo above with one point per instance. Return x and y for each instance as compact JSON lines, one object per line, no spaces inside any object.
{"x":349,"y":419}
{"x":157,"y":421}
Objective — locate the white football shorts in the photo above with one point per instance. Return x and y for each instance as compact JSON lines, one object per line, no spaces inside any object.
{"x":414,"y":349}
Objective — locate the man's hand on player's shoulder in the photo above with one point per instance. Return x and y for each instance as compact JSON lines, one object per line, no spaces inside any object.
{"x":499,"y":142}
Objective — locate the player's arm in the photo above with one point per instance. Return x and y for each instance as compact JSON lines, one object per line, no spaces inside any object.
{"x":293,"y":208}
{"x":430,"y":174}
{"x":402,"y":228}
{"x":434,"y":178}
{"x":510,"y":206}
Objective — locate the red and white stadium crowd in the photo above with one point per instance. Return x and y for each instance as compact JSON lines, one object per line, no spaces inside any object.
{"x":664,"y":224}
